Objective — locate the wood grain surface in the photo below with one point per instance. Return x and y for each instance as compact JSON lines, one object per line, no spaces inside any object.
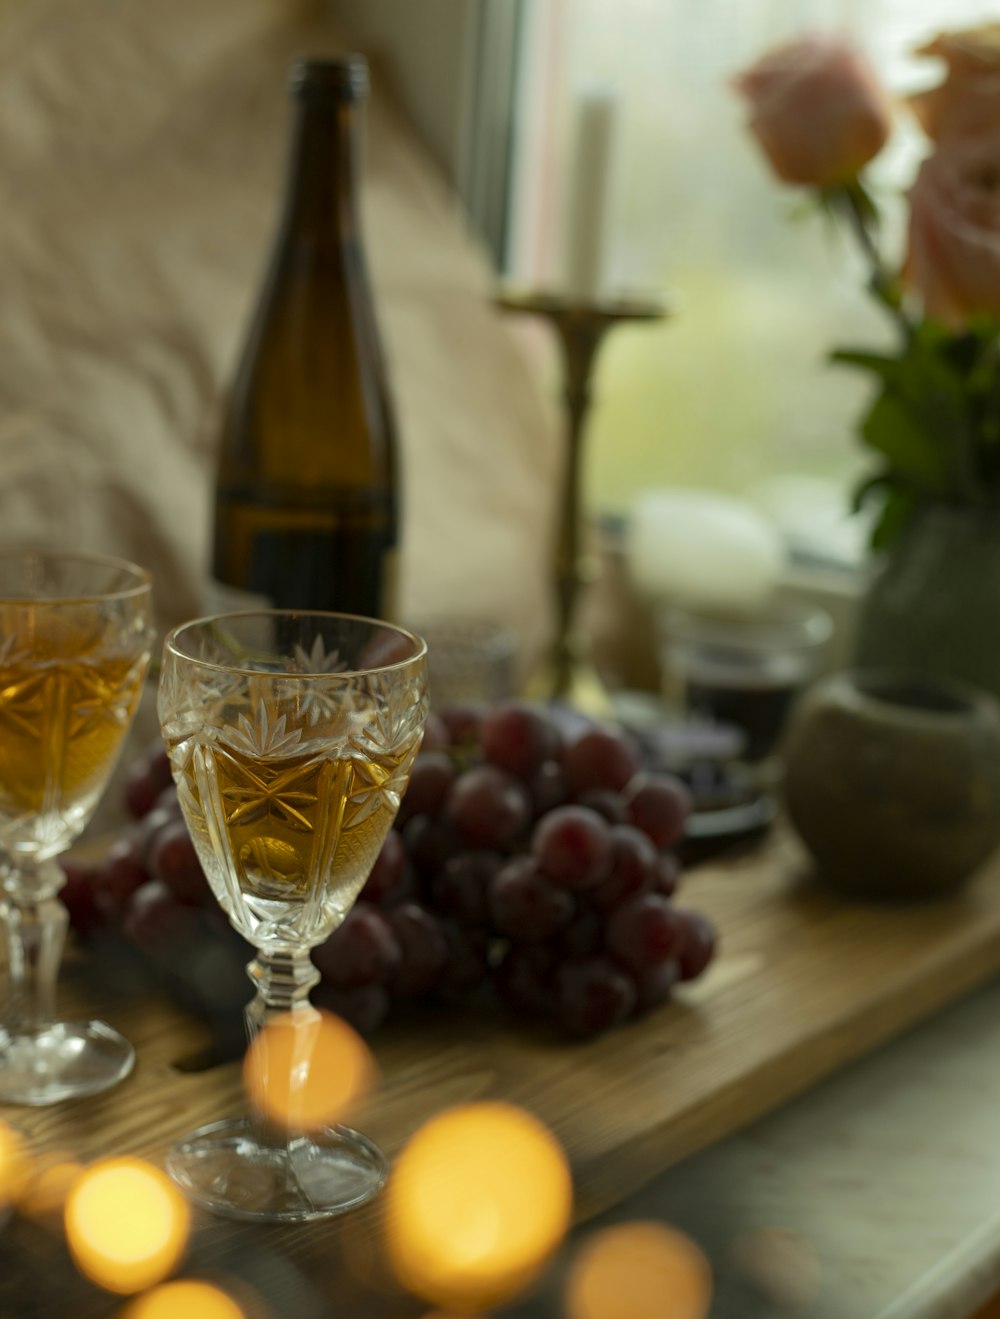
{"x":804,"y":982}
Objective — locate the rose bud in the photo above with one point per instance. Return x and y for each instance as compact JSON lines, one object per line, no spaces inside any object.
{"x":817,"y":110}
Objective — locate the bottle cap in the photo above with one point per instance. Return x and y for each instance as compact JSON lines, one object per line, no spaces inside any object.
{"x":342,"y":79}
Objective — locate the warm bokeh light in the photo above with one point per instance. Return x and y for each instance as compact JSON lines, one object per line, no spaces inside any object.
{"x":783,"y":1266}
{"x":307,"y":1069}
{"x":52,"y":1176}
{"x":479,"y":1199}
{"x":15,"y":1165}
{"x":639,"y":1271}
{"x":184,"y":1299}
{"x":127,"y":1224}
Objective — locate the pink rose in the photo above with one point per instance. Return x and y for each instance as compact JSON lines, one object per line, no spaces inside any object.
{"x":968,"y":101}
{"x":953,"y":257}
{"x":817,"y":109}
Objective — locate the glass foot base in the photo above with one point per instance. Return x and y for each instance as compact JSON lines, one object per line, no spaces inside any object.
{"x":64,"y":1060}
{"x":226,"y":1168}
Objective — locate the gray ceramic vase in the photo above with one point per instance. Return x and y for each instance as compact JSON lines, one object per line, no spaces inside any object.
{"x":892,"y":780}
{"x":932,"y":605}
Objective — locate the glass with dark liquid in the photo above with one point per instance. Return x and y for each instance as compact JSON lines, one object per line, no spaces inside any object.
{"x":743,"y":669}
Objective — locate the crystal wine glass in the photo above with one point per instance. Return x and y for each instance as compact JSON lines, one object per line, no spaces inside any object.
{"x":75,"y":638}
{"x":291,"y":737}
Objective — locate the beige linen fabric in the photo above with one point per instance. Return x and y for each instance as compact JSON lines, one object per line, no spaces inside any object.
{"x":142,"y":147}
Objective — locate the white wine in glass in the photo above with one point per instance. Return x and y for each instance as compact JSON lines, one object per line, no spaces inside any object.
{"x":75,"y":637}
{"x":291,"y":737}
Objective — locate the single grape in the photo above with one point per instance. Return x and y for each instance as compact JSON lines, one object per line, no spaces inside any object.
{"x":592,"y":995}
{"x":424,"y":949}
{"x":462,"y":722}
{"x":429,"y":844}
{"x":386,"y":882}
{"x":172,"y":858}
{"x":364,"y":1007}
{"x":523,"y":979}
{"x":80,"y":897}
{"x":150,"y":825}
{"x":606,"y":803}
{"x":140,"y":790}
{"x":573,"y":847}
{"x":643,"y":932}
{"x":431,"y":778}
{"x":659,"y":805}
{"x":654,"y":987}
{"x":667,"y":874}
{"x":436,"y":736}
{"x":698,"y":943}
{"x":518,"y":737}
{"x":123,"y":870}
{"x":599,"y":758}
{"x":633,"y":868}
{"x":461,"y":887}
{"x":363,"y":950}
{"x":155,"y":921}
{"x":489,"y":806}
{"x":548,"y":789}
{"x":525,"y":905}
{"x":146,"y":778}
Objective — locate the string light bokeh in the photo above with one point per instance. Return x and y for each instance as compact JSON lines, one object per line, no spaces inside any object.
{"x":478,"y":1202}
{"x":641,"y":1270}
{"x":308,"y":1069}
{"x":127,"y":1224}
{"x":186,"y":1297}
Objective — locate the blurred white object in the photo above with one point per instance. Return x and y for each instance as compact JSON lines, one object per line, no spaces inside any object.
{"x":700,"y":548}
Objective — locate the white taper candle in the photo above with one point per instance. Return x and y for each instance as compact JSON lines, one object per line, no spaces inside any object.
{"x":589,"y":192}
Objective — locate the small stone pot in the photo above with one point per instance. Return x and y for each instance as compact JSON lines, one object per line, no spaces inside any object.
{"x":892,"y":780}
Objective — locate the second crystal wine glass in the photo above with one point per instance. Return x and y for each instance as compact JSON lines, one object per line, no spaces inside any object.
{"x":75,"y":637}
{"x":291,"y":737}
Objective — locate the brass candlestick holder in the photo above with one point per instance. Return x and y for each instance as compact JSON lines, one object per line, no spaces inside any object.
{"x":567,"y":672}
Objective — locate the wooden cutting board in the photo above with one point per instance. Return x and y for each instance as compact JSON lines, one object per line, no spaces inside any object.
{"x":804,"y":983}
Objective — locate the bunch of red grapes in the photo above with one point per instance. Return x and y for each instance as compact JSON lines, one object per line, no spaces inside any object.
{"x":527,"y":860}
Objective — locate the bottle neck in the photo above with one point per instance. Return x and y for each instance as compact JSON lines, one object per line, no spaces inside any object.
{"x":322,"y":189}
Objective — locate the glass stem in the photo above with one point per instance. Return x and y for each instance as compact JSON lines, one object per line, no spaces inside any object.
{"x":283,"y":981}
{"x":34,"y":930}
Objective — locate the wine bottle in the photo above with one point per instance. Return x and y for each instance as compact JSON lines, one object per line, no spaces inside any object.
{"x":306,"y":498}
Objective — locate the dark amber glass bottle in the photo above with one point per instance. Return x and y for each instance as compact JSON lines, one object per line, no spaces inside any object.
{"x":306,"y":498}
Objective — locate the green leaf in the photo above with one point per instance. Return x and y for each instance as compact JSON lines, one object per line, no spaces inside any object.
{"x":895,"y":430}
{"x":924,"y":420}
{"x":886,"y":368}
{"x":897,"y":510}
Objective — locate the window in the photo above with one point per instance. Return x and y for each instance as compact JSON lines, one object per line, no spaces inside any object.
{"x":736,"y":388}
